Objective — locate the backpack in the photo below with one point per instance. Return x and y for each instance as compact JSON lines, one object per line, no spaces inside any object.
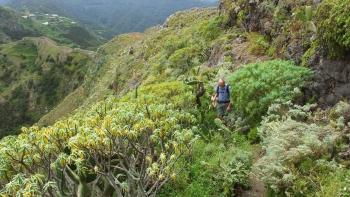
{"x":227,"y":89}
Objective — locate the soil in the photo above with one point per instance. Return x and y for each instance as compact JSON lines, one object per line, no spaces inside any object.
{"x":258,"y":188}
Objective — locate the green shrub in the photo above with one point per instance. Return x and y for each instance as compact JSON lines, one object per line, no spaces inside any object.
{"x":299,"y":149}
{"x":234,"y":174}
{"x":258,"y":45}
{"x":211,"y":29}
{"x":336,"y":184}
{"x":309,"y":54}
{"x":155,"y":130}
{"x":333,"y":22}
{"x":256,"y":86}
{"x":215,"y":170}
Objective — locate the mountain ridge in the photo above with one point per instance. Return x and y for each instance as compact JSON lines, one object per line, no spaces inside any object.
{"x":142,"y":123}
{"x":114,"y":17}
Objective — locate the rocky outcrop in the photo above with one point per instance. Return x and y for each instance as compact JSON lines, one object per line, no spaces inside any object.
{"x":331,"y":81}
{"x":291,"y":27}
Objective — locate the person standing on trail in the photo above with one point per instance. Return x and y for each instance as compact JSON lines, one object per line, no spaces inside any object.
{"x":221,"y":99}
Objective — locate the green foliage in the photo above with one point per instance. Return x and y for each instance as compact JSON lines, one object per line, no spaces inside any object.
{"x":185,"y":48}
{"x":30,"y":186}
{"x":258,"y":45}
{"x":304,"y":13}
{"x":309,"y":54}
{"x":336,"y":184}
{"x":333,"y":22}
{"x":129,"y":146}
{"x":215,"y":170}
{"x":256,"y":86}
{"x":234,"y":173}
{"x":36,"y":75}
{"x":210,"y":29}
{"x":300,"y":149}
{"x":61,"y":29}
{"x":173,"y":52}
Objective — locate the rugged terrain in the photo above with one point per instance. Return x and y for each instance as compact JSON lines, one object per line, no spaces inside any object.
{"x":36,"y":74}
{"x":141,"y":125}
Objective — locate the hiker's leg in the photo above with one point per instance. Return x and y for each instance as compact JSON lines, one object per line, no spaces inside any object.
{"x":220,"y":110}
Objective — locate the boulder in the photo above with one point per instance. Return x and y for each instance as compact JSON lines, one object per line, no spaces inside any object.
{"x":331,"y":82}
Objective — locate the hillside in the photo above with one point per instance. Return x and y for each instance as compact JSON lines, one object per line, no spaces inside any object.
{"x":35,"y":75}
{"x":141,"y":125}
{"x":111,"y":17}
{"x":15,"y":26}
{"x":12,"y":27}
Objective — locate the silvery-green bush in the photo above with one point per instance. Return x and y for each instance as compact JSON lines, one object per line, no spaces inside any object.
{"x":298,"y":143}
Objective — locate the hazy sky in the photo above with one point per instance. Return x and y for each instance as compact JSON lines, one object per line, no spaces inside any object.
{"x":211,"y":1}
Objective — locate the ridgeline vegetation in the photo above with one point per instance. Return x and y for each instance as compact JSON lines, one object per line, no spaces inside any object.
{"x":132,"y":126}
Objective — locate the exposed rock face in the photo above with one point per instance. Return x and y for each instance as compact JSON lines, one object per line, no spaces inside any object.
{"x":331,"y":82}
{"x":294,"y":36}
{"x":254,"y":19}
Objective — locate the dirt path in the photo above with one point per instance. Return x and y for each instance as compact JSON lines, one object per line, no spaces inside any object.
{"x":258,"y":188}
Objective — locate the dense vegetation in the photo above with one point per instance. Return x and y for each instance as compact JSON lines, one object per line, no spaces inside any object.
{"x":256,"y":86}
{"x":11,"y":27}
{"x":335,"y":35}
{"x":140,"y":124}
{"x":35,"y":75}
{"x":301,"y":150}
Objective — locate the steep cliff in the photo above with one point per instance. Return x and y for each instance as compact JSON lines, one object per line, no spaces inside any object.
{"x":35,"y":75}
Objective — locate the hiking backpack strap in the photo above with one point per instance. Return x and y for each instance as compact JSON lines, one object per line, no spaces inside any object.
{"x":227,"y":89}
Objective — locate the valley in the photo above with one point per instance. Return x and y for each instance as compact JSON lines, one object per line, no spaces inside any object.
{"x":135,"y":117}
{"x":17,"y":25}
{"x":108,"y":18}
{"x":35,"y":75}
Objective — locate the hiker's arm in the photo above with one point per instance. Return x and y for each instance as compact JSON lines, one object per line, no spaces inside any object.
{"x":229,"y":107}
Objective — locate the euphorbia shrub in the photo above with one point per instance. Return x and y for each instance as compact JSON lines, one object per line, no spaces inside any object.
{"x":256,"y":86}
{"x":119,"y":147}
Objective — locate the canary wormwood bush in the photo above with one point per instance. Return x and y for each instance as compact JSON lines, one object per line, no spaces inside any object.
{"x":256,"y":86}
{"x":119,"y":147}
{"x":299,"y":148}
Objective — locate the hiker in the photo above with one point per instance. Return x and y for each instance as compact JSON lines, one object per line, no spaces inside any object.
{"x":221,"y":99}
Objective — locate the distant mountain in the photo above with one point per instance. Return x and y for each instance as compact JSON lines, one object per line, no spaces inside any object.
{"x":110,"y":17}
{"x":16,"y":25}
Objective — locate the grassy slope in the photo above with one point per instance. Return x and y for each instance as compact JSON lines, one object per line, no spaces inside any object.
{"x":35,"y":75}
{"x":159,"y":54}
{"x":116,"y":64}
{"x":192,"y":45}
{"x":12,"y":27}
{"x":62,"y":30}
